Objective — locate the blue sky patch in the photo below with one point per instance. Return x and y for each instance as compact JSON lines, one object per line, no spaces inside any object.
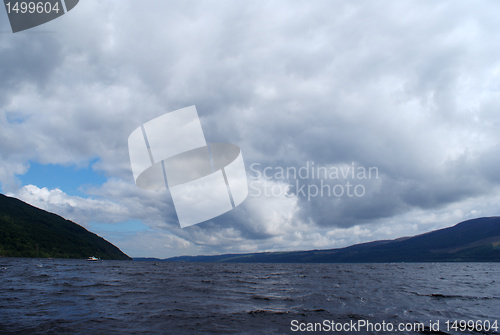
{"x":70,"y":179}
{"x":127,"y":226}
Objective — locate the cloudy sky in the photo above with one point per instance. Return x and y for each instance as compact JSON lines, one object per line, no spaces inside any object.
{"x":410,"y":89}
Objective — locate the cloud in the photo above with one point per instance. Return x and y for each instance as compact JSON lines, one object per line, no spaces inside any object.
{"x":409,"y":87}
{"x":78,"y":209}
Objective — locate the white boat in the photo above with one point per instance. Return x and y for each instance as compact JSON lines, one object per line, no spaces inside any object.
{"x":92,"y":258}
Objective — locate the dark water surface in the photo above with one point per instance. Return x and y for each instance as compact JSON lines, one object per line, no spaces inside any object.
{"x":56,"y":296}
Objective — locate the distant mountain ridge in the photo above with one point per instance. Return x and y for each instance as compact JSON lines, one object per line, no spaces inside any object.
{"x":27,"y":231}
{"x":476,"y":240}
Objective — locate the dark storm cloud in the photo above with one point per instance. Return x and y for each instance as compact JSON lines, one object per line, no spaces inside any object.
{"x":408,"y":87}
{"x":28,"y":61}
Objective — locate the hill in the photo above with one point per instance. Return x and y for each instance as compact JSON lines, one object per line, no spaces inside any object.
{"x":476,"y":240}
{"x":27,"y":231}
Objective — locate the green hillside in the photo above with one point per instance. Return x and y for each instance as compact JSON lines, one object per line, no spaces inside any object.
{"x":27,"y":231}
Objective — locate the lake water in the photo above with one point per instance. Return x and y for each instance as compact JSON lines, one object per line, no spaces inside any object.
{"x":56,"y":296}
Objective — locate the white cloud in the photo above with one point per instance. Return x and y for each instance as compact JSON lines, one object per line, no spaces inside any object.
{"x":409,"y":87}
{"x":78,"y":209}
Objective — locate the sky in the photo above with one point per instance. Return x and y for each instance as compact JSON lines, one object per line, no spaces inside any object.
{"x":406,"y":90}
